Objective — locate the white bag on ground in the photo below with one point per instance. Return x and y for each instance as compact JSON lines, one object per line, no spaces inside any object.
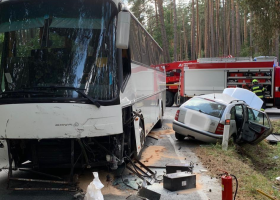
{"x":94,"y":189}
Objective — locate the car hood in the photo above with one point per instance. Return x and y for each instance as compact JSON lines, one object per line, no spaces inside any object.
{"x":242,"y":94}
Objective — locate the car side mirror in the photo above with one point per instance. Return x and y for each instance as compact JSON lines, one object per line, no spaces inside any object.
{"x":123,"y":29}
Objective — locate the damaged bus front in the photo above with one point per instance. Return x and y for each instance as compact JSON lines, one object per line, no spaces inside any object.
{"x":59,"y":84}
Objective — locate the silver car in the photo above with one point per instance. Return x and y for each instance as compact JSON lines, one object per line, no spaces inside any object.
{"x":203,"y":118}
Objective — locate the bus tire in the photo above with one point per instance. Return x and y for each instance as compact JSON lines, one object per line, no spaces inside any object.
{"x":158,"y":124}
{"x":169,"y":99}
{"x":179,"y":136}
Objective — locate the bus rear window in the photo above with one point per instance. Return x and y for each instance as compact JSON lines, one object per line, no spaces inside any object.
{"x":206,"y":106}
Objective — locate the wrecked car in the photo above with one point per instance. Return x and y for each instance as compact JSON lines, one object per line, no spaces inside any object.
{"x":203,"y":118}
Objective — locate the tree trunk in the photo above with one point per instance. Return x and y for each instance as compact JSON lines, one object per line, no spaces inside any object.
{"x":233,"y":40}
{"x":163,"y":32}
{"x":197,"y":30}
{"x":245,"y":28}
{"x":206,"y":29}
{"x":193,"y":33}
{"x":224,"y":29}
{"x":277,"y":44}
{"x":229,"y":52}
{"x":238,"y":41}
{"x":217,"y":27}
{"x":175,"y":31}
{"x":185,"y":39}
{"x":211,"y":8}
{"x":255,"y":30}
{"x":156,"y":13}
{"x":251,"y":35}
{"x":181,"y":45}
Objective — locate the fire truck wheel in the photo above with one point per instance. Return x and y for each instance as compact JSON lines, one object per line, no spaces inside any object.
{"x":180,"y":137}
{"x":169,"y":99}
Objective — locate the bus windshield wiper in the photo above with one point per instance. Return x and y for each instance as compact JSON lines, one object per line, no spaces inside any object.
{"x":24,"y":92}
{"x":78,"y":90}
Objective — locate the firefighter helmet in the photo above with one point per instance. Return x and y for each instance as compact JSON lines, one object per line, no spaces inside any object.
{"x":255,"y":81}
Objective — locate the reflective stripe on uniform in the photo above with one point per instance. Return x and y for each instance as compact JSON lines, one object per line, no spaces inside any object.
{"x":260,"y":97}
{"x":254,"y":88}
{"x":262,"y":109}
{"x":255,"y":91}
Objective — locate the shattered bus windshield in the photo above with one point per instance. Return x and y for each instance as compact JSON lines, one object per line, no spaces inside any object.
{"x":46,"y":43}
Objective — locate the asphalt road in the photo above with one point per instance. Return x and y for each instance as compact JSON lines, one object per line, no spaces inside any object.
{"x":157,"y":153}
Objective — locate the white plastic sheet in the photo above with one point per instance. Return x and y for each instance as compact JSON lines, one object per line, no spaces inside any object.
{"x":242,"y":94}
{"x":94,"y":189}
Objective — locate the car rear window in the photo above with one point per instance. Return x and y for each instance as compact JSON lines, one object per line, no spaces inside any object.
{"x":206,"y":106}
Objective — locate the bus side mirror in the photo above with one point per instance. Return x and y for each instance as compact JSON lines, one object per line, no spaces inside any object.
{"x":123,"y":29}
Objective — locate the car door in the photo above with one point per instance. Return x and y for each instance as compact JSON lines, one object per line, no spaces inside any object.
{"x":257,"y":126}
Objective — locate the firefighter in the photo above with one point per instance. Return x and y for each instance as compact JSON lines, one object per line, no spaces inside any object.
{"x":259,"y":91}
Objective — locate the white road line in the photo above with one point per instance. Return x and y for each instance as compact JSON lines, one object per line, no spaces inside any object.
{"x":178,"y":153}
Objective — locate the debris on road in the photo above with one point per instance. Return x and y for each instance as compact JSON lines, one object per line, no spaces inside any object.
{"x":152,"y":137}
{"x":179,"y":167}
{"x":179,"y":181}
{"x":148,"y":194}
{"x":79,"y":196}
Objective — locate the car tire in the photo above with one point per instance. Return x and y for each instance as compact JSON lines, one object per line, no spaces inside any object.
{"x":169,"y":99}
{"x":158,"y":124}
{"x":179,"y":136}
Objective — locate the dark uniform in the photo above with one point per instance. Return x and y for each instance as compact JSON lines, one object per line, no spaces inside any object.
{"x":259,"y":91}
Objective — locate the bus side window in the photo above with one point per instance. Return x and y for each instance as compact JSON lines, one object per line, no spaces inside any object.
{"x":126,"y":66}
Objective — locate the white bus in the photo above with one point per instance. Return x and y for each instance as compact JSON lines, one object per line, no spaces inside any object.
{"x":81,"y":83}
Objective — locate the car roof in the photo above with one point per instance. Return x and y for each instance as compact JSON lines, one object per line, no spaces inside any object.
{"x":218,"y":97}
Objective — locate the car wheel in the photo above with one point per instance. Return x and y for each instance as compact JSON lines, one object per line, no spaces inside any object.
{"x":179,"y":136}
{"x":169,"y":99}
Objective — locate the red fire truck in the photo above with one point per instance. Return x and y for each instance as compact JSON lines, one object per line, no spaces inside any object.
{"x":213,"y":75}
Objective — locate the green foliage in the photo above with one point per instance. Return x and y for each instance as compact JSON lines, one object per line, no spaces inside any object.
{"x":265,"y":18}
{"x":245,"y":51}
{"x":258,"y":166}
{"x":262,"y":16}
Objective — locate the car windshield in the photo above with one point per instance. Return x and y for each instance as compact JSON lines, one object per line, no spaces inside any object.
{"x":66,"y":44}
{"x":205,"y":106}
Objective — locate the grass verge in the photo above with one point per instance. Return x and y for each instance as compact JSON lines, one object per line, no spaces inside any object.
{"x":256,"y":167}
{"x":276,"y":126}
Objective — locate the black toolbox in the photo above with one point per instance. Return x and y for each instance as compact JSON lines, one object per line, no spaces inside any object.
{"x":179,"y":167}
{"x":179,"y":181}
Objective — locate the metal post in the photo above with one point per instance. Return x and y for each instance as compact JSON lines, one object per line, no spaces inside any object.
{"x":226,"y":133}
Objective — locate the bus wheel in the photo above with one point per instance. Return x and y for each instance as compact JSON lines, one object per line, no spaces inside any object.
{"x":158,"y":124}
{"x":169,"y":99}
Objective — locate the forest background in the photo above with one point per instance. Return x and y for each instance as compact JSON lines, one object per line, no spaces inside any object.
{"x":192,"y":29}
